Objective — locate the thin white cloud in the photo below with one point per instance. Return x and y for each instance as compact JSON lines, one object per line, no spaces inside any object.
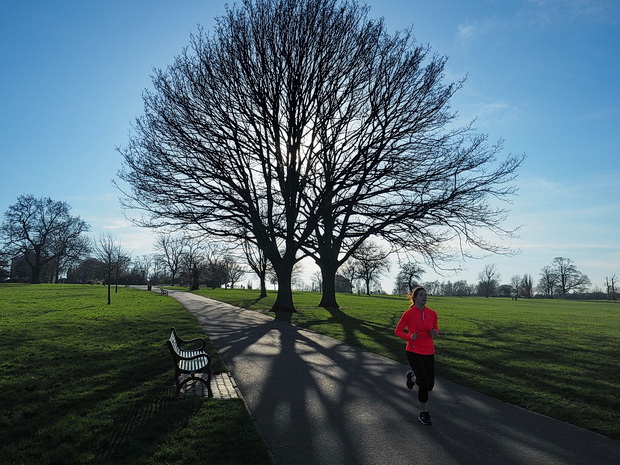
{"x":472,"y":30}
{"x":548,"y":12}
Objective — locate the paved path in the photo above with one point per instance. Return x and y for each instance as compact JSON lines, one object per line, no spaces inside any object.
{"x":320,"y":401}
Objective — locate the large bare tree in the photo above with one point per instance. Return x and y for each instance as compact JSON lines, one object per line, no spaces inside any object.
{"x":41,"y":231}
{"x":304,"y":127}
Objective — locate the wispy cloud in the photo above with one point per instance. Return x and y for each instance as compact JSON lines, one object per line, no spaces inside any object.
{"x":546,"y":12}
{"x":476,"y":29}
{"x":537,"y":13}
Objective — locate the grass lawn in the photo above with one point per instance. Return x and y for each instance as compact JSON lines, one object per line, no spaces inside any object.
{"x":88,"y":383}
{"x":556,"y":357}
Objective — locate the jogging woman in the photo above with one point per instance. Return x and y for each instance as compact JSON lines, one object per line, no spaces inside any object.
{"x":418,"y":326}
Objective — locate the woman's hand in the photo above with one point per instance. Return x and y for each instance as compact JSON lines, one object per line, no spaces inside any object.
{"x":434,"y":332}
{"x":414,"y":336}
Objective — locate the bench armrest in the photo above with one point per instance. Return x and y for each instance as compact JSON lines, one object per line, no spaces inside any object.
{"x":180,"y":341}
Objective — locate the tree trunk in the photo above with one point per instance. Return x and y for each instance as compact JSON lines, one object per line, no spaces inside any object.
{"x":36,"y":276}
{"x":328,"y":278}
{"x":263,"y":285}
{"x":109,"y":287}
{"x":195,"y":280}
{"x":284,"y":299}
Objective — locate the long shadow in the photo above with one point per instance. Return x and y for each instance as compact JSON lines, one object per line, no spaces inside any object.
{"x":318,"y":400}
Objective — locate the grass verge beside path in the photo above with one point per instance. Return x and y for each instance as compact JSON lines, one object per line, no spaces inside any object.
{"x":88,"y":383}
{"x":556,"y":357}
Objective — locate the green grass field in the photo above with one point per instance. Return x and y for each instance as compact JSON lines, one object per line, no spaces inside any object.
{"x":88,"y":383}
{"x":556,"y":357}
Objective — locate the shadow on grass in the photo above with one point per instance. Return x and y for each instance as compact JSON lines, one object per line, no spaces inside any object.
{"x":102,"y":392}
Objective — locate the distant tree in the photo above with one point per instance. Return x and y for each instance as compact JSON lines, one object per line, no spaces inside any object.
{"x":234,"y":271}
{"x":350,"y":272}
{"x":516,"y":282}
{"x":488,"y":281}
{"x":41,"y":231}
{"x":170,"y":250}
{"x":88,"y":271}
{"x":461,"y":288}
{"x":343,"y":284}
{"x":122,"y":263}
{"x":215,"y":272}
{"x":433,"y":287}
{"x":317,"y":281}
{"x":4,"y":269}
{"x":297,"y":276}
{"x":504,"y":290}
{"x":527,"y":286}
{"x":371,"y":261}
{"x":548,"y":281}
{"x":69,"y":252}
{"x":259,"y":264}
{"x":143,"y":267}
{"x":447,"y":288}
{"x":569,"y":277}
{"x":611,"y":287}
{"x":194,"y":262}
{"x":109,"y":254}
{"x":409,"y":275}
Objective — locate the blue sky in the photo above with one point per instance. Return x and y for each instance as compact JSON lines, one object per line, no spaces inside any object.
{"x":541,"y":74}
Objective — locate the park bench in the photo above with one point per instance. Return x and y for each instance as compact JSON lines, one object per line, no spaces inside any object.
{"x":190,"y":359}
{"x":163,"y":291}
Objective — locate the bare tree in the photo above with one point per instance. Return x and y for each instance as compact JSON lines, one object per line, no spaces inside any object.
{"x":317,"y":281}
{"x":304,"y":127}
{"x":461,"y":288}
{"x":194,"y":262}
{"x":611,"y":287}
{"x":569,"y":277}
{"x":70,"y":252}
{"x":349,"y":271}
{"x":409,"y":275}
{"x":123,"y":262}
{"x":371,"y":261}
{"x":433,"y":287}
{"x":39,"y":230}
{"x":488,"y":281}
{"x":110,"y":255}
{"x":548,"y":281}
{"x":515,"y":282}
{"x":527,"y":286}
{"x":233,"y":270}
{"x":258,"y":262}
{"x":170,"y":249}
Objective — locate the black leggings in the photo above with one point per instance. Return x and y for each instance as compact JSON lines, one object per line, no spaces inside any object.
{"x":423,"y":366}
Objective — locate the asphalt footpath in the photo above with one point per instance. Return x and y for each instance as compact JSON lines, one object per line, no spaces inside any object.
{"x":319,"y":401}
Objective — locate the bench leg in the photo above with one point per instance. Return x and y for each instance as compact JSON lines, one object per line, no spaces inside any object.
{"x":193,"y":377}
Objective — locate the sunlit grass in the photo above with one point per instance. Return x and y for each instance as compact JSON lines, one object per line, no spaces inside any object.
{"x":555,"y":357}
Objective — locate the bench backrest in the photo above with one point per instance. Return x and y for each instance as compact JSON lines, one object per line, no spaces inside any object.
{"x":173,"y":342}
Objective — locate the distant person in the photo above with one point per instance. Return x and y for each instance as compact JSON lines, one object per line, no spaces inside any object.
{"x":418,"y":326}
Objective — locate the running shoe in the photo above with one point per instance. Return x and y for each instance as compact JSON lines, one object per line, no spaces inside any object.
{"x":425,"y":418}
{"x":410,"y":379}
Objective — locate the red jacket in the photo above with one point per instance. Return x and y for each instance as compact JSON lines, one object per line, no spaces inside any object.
{"x":420,"y":321}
